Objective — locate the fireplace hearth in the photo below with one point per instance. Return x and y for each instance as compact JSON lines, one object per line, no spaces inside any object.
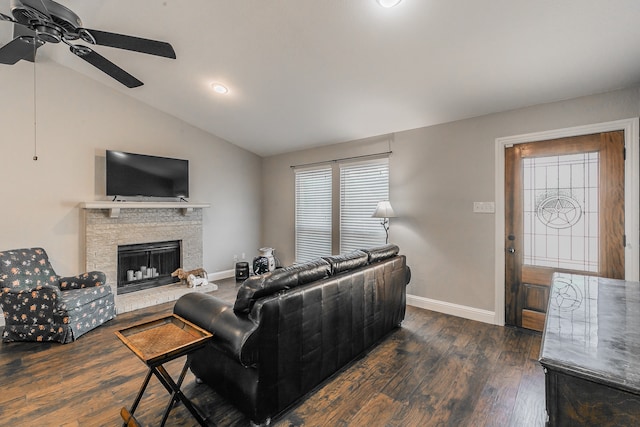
{"x":147,"y":265}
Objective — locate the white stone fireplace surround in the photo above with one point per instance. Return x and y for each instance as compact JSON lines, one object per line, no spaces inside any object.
{"x":111,"y":224}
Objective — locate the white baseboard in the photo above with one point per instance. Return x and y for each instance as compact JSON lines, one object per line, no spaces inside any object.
{"x":218,"y":275}
{"x":463,"y":311}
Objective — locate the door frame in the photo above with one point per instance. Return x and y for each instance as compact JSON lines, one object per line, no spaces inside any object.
{"x":631,"y":196}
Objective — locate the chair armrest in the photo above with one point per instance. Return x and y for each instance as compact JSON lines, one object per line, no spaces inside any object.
{"x":84,"y":280}
{"x":232,"y":333}
{"x":41,"y":291}
{"x":23,"y":306}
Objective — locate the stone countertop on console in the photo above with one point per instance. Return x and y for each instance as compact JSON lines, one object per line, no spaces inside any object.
{"x":593,"y":329}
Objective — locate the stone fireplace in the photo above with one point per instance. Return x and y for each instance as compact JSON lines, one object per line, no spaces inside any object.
{"x":109,"y":225}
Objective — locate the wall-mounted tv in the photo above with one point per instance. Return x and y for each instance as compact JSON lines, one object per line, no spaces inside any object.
{"x":130,"y":174}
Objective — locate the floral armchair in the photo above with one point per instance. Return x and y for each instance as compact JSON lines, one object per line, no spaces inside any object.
{"x":39,"y":305}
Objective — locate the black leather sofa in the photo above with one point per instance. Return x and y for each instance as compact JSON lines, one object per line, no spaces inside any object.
{"x":291,"y":329}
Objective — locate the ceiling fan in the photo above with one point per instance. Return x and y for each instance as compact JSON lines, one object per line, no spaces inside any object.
{"x":44,"y":21}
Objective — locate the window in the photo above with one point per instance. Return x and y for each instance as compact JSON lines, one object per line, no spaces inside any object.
{"x":313,"y":213}
{"x":362,"y":186}
{"x":337,"y":219}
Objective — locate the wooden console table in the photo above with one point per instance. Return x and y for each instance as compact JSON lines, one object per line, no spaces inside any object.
{"x":156,"y":343}
{"x":591,"y":352}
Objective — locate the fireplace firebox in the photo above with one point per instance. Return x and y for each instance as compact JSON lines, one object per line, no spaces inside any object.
{"x":146,"y":265}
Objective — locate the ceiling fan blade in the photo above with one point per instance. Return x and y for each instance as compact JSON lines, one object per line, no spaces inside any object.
{"x":121,"y":41}
{"x":106,"y":66}
{"x":37,"y":5}
{"x":19,"y":48}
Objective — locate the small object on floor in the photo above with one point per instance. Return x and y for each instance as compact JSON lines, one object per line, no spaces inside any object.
{"x":264,"y":262}
{"x":183,"y":274}
{"x":242,"y":271}
{"x":196,"y":281}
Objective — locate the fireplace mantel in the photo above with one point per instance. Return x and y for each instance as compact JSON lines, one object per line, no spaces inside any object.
{"x":114,"y":207}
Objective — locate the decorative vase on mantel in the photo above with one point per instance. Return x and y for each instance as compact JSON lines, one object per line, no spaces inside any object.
{"x":264,"y":262}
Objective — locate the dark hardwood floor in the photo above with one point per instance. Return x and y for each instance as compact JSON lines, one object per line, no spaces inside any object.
{"x":435,"y":370}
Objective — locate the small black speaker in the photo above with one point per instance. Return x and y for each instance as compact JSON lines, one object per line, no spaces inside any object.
{"x":242,"y":270}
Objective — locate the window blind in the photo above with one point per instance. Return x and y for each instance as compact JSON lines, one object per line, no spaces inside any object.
{"x":313,"y":213}
{"x":362,"y":186}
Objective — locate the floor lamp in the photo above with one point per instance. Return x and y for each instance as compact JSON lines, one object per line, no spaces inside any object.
{"x":384,"y":211}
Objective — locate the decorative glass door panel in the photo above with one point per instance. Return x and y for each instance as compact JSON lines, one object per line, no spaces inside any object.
{"x":564,"y":212}
{"x":561,"y":211}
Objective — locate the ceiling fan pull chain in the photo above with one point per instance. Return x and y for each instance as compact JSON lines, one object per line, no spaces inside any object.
{"x":35,"y":122}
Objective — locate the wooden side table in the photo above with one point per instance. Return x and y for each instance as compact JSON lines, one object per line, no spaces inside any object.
{"x":158,"y":342}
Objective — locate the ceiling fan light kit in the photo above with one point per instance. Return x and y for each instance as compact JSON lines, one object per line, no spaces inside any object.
{"x":388,"y":3}
{"x":46,"y":21}
{"x":219,"y":88}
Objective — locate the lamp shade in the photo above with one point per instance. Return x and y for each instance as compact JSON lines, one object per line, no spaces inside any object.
{"x":384,"y":210}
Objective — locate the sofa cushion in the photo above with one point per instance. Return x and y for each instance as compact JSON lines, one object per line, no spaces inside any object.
{"x":379,"y":253}
{"x":76,"y":298}
{"x":348,"y":261}
{"x":279,"y":280}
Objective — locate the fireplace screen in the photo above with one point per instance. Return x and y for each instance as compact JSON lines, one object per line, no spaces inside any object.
{"x":147,"y":265}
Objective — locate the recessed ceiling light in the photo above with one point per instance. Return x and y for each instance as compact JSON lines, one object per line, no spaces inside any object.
{"x":218,"y":88}
{"x":388,"y":3}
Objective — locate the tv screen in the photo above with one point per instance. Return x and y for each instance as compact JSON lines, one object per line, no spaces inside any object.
{"x":130,"y":174}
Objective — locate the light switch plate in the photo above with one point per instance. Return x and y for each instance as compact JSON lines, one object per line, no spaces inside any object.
{"x":484,"y":207}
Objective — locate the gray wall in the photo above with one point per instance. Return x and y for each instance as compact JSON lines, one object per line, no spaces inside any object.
{"x":436,"y":173}
{"x":78,"y":119}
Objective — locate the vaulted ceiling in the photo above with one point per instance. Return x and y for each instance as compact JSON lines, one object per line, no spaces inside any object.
{"x":304,"y":73}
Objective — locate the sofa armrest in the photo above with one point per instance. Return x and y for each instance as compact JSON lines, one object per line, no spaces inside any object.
{"x":231,"y":331}
{"x":84,"y":280}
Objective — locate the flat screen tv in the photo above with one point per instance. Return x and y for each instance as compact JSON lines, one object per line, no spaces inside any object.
{"x":130,"y":174}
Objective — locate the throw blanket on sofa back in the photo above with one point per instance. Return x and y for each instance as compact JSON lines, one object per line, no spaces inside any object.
{"x":292,"y":328}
